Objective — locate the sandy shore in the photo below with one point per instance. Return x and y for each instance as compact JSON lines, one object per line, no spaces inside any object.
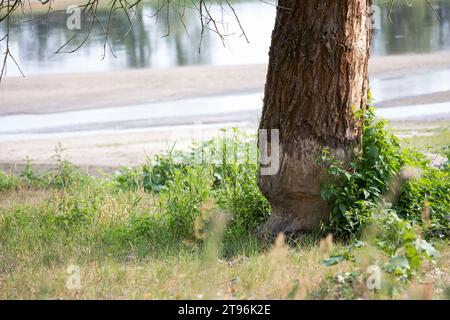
{"x":430,"y":98}
{"x":105,"y":153}
{"x":58,"y":93}
{"x":108,"y":151}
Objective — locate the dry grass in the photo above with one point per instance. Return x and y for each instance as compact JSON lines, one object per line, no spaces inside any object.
{"x":33,"y":267}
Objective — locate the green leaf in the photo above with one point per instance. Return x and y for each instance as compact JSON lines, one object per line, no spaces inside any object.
{"x":399,"y":262}
{"x":422,"y":245}
{"x":366,"y":194}
{"x":333,"y":260}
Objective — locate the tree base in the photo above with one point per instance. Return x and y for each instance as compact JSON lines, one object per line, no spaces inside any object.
{"x":296,"y":216}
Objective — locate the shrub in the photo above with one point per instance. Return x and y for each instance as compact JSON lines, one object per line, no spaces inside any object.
{"x":236,"y":189}
{"x":127,"y":179}
{"x":239,"y":193}
{"x":357,"y":189}
{"x":64,"y":176}
{"x":397,"y":237}
{"x":76,"y":208}
{"x":181,"y":202}
{"x":157,"y":172}
{"x":425,"y":200}
{"x":232,"y":173}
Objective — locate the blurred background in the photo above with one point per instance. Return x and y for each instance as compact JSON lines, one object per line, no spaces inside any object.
{"x":162,"y":84}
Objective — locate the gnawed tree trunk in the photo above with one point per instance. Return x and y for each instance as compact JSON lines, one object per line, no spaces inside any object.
{"x":317,"y":78}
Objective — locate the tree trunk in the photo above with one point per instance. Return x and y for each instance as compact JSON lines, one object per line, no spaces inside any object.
{"x":317,"y":79}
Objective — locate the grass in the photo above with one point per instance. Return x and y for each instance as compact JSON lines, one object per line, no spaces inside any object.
{"x":35,"y":256}
{"x":431,"y":140}
{"x":175,"y":228}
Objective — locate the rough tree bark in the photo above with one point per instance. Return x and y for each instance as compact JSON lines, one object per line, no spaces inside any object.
{"x":317,"y":78}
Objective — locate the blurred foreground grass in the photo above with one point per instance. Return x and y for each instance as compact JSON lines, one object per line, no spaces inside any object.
{"x":35,"y":254}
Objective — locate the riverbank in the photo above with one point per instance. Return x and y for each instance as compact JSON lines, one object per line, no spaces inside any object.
{"x":107,"y":151}
{"x":68,"y":92}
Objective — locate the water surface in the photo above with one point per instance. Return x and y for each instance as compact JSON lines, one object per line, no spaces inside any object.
{"x":414,"y":29}
{"x":219,"y":111}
